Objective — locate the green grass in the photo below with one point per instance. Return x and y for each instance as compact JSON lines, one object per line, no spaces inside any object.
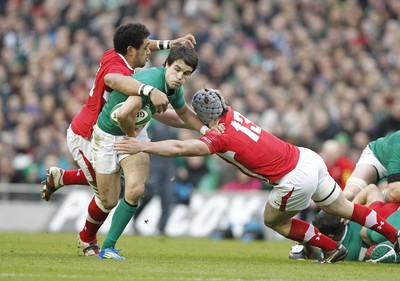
{"x":44,"y":256}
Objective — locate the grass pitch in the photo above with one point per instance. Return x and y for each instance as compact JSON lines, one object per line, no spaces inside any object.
{"x":50,"y":256}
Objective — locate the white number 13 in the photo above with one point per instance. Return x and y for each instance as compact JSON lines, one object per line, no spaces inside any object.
{"x":245,"y":126}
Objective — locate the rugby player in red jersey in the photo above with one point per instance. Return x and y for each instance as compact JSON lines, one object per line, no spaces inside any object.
{"x":132,"y":48}
{"x":298,"y":174}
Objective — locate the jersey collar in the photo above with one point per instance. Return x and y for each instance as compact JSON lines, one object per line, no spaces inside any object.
{"x":127,"y":64}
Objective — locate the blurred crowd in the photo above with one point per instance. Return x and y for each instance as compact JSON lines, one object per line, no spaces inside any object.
{"x":306,"y":70}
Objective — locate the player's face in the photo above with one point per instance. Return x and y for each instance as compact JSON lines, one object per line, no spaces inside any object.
{"x":142,"y":54}
{"x":177,"y":73}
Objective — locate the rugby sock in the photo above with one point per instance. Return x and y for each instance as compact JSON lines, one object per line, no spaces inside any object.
{"x":74,"y":177}
{"x":370,"y":219}
{"x":121,"y":217}
{"x":94,"y":220}
{"x":304,"y":232}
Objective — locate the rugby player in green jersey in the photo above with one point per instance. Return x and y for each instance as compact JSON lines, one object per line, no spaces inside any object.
{"x":179,"y":65}
{"x":353,"y":236}
{"x":379,"y":164}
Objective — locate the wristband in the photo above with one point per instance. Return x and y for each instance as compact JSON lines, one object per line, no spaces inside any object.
{"x":145,"y":90}
{"x":163,"y":44}
{"x":204,"y":129}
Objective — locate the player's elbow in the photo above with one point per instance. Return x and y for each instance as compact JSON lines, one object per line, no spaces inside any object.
{"x":122,"y":116}
{"x":179,"y":149}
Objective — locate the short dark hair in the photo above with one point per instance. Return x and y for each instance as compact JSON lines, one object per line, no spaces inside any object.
{"x":329,"y":225}
{"x":130,"y":34}
{"x":185,"y":53}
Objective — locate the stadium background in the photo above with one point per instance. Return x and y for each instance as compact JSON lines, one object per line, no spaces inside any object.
{"x":305,"y":70}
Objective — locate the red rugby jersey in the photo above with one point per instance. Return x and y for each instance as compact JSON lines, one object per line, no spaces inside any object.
{"x":111,"y":62}
{"x":254,"y":151}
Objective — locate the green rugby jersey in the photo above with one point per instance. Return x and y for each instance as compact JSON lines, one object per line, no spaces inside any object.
{"x":387,"y":150}
{"x":155,"y":77}
{"x":353,"y":242}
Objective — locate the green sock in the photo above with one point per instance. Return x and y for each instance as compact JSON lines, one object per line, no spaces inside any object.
{"x":122,"y":215}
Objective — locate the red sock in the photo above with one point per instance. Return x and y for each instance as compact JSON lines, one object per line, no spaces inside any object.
{"x":369,"y":218}
{"x":74,"y":177}
{"x":304,"y":232}
{"x":94,"y":221}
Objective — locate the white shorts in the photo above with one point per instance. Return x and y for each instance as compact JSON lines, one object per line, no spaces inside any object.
{"x":105,"y":158}
{"x":81,"y":150}
{"x":309,"y":180}
{"x":368,"y":157}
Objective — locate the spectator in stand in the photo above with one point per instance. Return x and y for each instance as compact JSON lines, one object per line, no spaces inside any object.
{"x":242,"y":182}
{"x":201,"y":172}
{"x":339,"y":166}
{"x":390,"y":123}
{"x":336,"y":55}
{"x":194,"y":173}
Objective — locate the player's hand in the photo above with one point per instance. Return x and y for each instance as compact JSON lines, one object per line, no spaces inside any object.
{"x":160,"y":100}
{"x":219,"y":128}
{"x":129,"y":145}
{"x":187,"y":39}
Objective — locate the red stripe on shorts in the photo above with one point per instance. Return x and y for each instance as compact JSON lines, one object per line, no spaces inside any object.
{"x":285,"y":199}
{"x":89,"y":165}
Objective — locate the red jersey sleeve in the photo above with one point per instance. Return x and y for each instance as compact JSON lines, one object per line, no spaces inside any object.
{"x":216,"y":142}
{"x":111,"y":62}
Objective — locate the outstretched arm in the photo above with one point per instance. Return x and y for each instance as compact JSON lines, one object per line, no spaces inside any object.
{"x":187,"y":39}
{"x":156,"y":45}
{"x":190,"y":118}
{"x":170,"y":118}
{"x":132,"y":87}
{"x":167,"y":148}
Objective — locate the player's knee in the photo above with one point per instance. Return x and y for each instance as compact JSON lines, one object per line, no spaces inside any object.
{"x":99,"y":203}
{"x":270,"y":222}
{"x":271,"y":219}
{"x":108,"y":202}
{"x":109,"y":205}
{"x":134,"y":192}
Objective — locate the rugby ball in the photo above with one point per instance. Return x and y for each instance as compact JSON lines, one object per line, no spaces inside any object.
{"x":384,"y":253}
{"x":142,"y":117}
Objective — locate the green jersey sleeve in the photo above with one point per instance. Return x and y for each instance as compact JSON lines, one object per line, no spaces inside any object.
{"x":387,"y":150}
